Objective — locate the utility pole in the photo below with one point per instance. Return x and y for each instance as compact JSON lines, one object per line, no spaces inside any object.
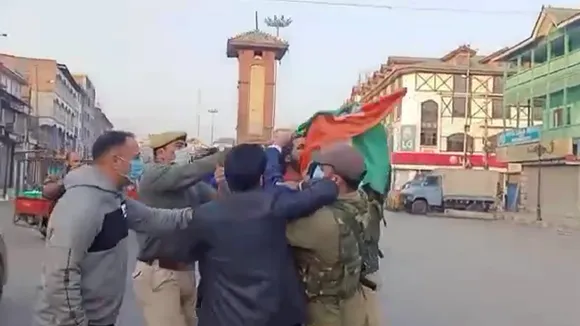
{"x":486,"y":144}
{"x":213,"y":112}
{"x":466,"y":127}
{"x":198,"y":110}
{"x":277,"y":23}
{"x":36,"y":110}
{"x":540,"y":150}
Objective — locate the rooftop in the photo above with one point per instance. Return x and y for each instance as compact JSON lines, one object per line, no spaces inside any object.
{"x":549,"y":18}
{"x":256,"y":39}
{"x":13,"y":74}
{"x":456,"y":61}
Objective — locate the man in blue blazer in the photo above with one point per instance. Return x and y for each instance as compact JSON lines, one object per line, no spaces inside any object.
{"x":248,"y":271}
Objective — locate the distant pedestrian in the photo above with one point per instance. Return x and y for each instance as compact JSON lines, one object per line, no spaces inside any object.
{"x":53,"y":185}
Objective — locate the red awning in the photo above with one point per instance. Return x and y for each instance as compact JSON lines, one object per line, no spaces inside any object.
{"x":443,"y":159}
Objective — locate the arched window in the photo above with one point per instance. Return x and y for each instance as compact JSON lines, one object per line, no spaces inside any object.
{"x":455,"y":143}
{"x":429,"y":123}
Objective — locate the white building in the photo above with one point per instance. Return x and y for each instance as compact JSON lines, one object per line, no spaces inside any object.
{"x":450,"y":115}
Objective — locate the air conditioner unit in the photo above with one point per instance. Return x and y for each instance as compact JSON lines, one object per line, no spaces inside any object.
{"x":9,"y":126}
{"x":2,"y":86}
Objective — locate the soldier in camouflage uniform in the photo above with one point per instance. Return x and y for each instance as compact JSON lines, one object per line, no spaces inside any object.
{"x":374,"y":216}
{"x":329,"y":245}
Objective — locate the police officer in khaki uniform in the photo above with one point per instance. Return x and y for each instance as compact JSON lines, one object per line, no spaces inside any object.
{"x":164,"y":279}
{"x":328,"y":244}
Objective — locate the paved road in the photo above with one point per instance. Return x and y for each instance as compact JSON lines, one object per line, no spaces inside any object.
{"x":437,"y":272}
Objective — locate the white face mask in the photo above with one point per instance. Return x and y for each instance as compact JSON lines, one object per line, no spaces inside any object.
{"x":182,"y":156}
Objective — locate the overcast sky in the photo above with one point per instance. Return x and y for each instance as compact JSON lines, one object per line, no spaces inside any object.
{"x":149,"y":58}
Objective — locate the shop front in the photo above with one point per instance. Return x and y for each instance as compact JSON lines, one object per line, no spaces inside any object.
{"x":550,"y":177}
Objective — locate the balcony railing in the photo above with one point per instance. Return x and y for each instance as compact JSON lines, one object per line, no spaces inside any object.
{"x":540,"y":70}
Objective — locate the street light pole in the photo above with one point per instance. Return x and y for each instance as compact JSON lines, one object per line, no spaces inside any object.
{"x":213,"y":112}
{"x":277,"y":23}
{"x":467,"y":108}
{"x":540,"y":150}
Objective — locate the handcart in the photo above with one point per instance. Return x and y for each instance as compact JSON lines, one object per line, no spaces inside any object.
{"x":32,"y":212}
{"x":32,"y":168}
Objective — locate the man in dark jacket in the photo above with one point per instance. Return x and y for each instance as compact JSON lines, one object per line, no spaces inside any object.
{"x":248,"y":272}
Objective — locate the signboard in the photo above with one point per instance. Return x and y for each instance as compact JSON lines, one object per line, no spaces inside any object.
{"x":408,"y":134}
{"x":444,"y":159}
{"x":556,"y":149}
{"x":519,"y":136}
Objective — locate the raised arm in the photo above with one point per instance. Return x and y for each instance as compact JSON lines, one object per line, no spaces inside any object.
{"x":163,"y":177}
{"x":144,"y":219}
{"x":75,"y":222}
{"x":273,"y":174}
{"x":296,"y":204}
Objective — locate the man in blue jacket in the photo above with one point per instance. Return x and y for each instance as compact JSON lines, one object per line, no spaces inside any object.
{"x":248,"y":272}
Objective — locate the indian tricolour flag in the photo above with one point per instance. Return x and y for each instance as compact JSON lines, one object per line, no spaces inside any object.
{"x":362,"y":126}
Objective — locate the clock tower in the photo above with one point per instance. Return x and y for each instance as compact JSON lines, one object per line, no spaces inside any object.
{"x":257,"y":53}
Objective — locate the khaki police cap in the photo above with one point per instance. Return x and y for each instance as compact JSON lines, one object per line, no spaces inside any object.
{"x":345,"y":159}
{"x":159,"y":140}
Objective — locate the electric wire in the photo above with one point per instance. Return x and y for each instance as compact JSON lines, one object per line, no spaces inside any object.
{"x":406,"y":8}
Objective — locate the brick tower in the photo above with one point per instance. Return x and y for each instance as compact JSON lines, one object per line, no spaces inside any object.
{"x":257,"y":53}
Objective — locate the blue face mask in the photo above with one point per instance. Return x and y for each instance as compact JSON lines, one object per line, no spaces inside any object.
{"x":317,"y":173}
{"x":135,"y":169}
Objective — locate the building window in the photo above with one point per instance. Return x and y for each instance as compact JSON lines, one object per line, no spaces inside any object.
{"x":459,"y":84}
{"x":537,"y":112}
{"x":429,"y":123}
{"x":3,"y":81}
{"x":573,"y":39}
{"x":538,"y":104}
{"x":557,"y":47}
{"x":9,"y":116}
{"x":458,"y":107}
{"x":455,"y":143}
{"x":497,"y":109}
{"x":498,"y":85}
{"x":557,"y":117}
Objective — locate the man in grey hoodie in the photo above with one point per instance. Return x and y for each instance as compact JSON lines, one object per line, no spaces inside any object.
{"x":85,"y":259}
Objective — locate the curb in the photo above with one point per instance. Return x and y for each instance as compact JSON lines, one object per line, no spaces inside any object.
{"x":460,"y":217}
{"x":573,"y":225}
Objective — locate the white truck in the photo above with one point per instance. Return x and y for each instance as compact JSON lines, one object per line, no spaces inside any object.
{"x":458,"y":189}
